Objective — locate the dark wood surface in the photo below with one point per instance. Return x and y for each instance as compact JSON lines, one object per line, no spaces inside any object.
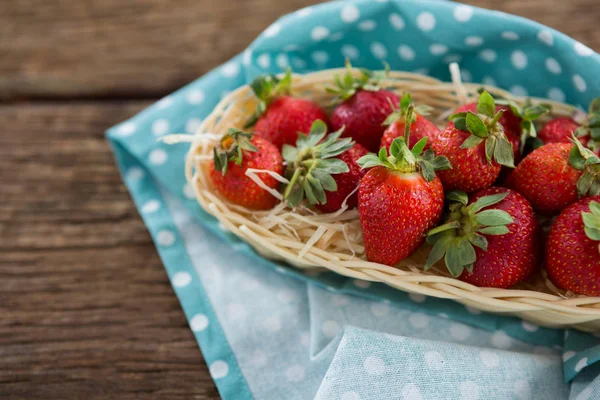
{"x":86,"y":310}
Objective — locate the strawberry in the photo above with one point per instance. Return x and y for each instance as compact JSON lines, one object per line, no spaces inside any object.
{"x":364,"y":107}
{"x":237,"y":152}
{"x":572,"y":258}
{"x":560,"y":129}
{"x":489,"y":240}
{"x":420,"y":126}
{"x":279,"y":117}
{"x":555,"y":175}
{"x":476,"y":146}
{"x":311,"y":164}
{"x":399,"y":199}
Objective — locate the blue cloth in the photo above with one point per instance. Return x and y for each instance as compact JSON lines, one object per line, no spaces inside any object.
{"x":268,"y":331}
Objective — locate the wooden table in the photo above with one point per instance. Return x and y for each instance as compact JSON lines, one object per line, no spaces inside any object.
{"x":86,"y":310}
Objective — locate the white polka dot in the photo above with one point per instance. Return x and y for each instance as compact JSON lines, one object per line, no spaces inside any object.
{"x":443,"y":315}
{"x":287,"y":295}
{"x":579,"y":83}
{"x":529,"y":327}
{"x":585,"y":394}
{"x":362,"y":284}
{"x":460,"y":332}
{"x":298,"y":63}
{"x":438,"y":49}
{"x":165,"y":238}
{"x":230,"y":70}
{"x":181,"y":279}
{"x":418,"y":320}
{"x":469,"y":390}
{"x":417,"y":297}
{"x":488,"y":80}
{"x":452,"y":58}
{"x":582,"y":50}
{"x":350,"y":51}
{"x":350,"y":13}
{"x":281,"y":270}
{"x":320,"y":57}
{"x":519,"y":59}
{"x":304,"y":12}
{"x":406,"y":53}
{"x":378,"y":50}
{"x":164,"y":102}
{"x":199,"y":323}
{"x":127,"y":129}
{"x":501,"y":340}
{"x":336,"y":37}
{"x":282,"y":61}
{"x":489,"y":358}
{"x":247,"y":58}
{"x":488,"y":55}
{"x":158,"y":157}
{"x":258,"y":358}
{"x":350,"y":396}
{"x":374,"y":365}
{"x":192,"y":125}
{"x":379,"y":309}
{"x":367,"y":26}
{"x":340,"y":300}
{"x":305,"y":339}
{"x":264,"y":61}
{"x":473,"y":40}
{"x":466,"y":75}
{"x":150,"y":206}
{"x":319,"y":33}
{"x":236,"y":311}
{"x":434,"y":360}
{"x":160,"y":127}
{"x":411,"y":391}
{"x":330,"y":328}
{"x":553,"y":66}
{"x":195,"y":96}
{"x":545,"y":36}
{"x":290,"y":47}
{"x":272,"y":323}
{"x":295,"y":373}
{"x":463,"y":13}
{"x":472,"y":310}
{"x":426,"y":21}
{"x":509,"y":35}
{"x":522,"y":389}
{"x":134,"y":174}
{"x":273,"y":30}
{"x":568,"y":355}
{"x":218,"y":369}
{"x":396,"y":21}
{"x":518,"y":90}
{"x":581,"y":364}
{"x":545,"y":356}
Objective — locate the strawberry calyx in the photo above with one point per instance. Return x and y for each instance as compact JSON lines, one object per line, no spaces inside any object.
{"x":583,"y":159}
{"x":591,"y":221}
{"x":347,"y":85}
{"x":590,"y":125}
{"x":405,"y":160}
{"x":231,"y":147}
{"x":400,"y":112}
{"x":484,"y":127}
{"x":267,"y":88}
{"x":464,"y":228}
{"x":528,"y":113}
{"x":312,"y":162}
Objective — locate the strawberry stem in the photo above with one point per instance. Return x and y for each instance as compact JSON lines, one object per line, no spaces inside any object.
{"x":292,"y":183}
{"x":408,"y":123}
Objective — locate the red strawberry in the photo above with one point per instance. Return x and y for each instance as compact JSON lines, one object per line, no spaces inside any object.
{"x":476,"y":146}
{"x":233,"y":156}
{"x":399,"y":200}
{"x":489,"y":240}
{"x":312,"y":163}
{"x":572,"y":257}
{"x":420,"y":126}
{"x":279,"y":117}
{"x":555,"y":175}
{"x":364,"y":107}
{"x":509,"y":121}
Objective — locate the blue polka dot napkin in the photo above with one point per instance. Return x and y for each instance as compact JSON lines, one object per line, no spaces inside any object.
{"x":268,"y":331}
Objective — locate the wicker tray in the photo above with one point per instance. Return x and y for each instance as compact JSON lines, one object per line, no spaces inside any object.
{"x":305,"y":239}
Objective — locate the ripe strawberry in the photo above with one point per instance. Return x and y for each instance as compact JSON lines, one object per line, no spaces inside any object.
{"x":364,"y":107}
{"x":233,"y":156}
{"x":476,"y":146}
{"x":279,"y":117}
{"x":311,"y":165}
{"x":399,"y":199}
{"x":420,"y":126}
{"x":572,"y":257}
{"x":491,"y":239}
{"x":560,"y":129}
{"x":555,"y":175}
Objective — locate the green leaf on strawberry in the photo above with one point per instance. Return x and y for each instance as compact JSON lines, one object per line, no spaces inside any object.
{"x":527,"y":113}
{"x":401,"y":111}
{"x":267,"y":88}
{"x":591,"y":221}
{"x":585,"y":160}
{"x":347,"y":85}
{"x":231,"y":147}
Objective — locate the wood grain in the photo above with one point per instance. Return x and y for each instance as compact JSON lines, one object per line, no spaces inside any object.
{"x":86,"y":308}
